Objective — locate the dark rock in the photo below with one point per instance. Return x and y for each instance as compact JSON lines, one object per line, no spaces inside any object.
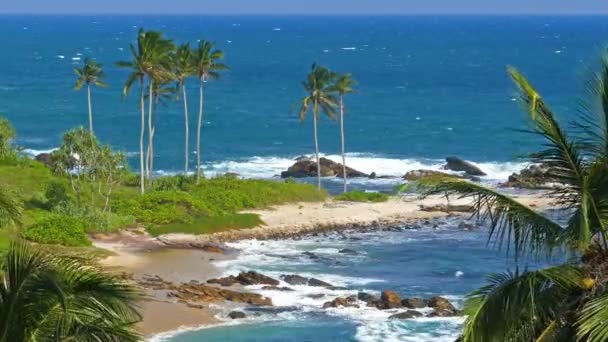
{"x":532,"y":177}
{"x":226,"y":281}
{"x":294,"y":279}
{"x":406,"y":315}
{"x":341,"y":302}
{"x":389,"y":300}
{"x":236,"y":314}
{"x":413,"y":303}
{"x":370,"y":299}
{"x":347,"y":251}
{"x":311,"y":255}
{"x":45,"y":158}
{"x":465,"y":226}
{"x":305,"y":167}
{"x":255,"y":278}
{"x":442,"y":313}
{"x":372,"y":175}
{"x":319,"y":283}
{"x":277,"y":288}
{"x":457,"y":164}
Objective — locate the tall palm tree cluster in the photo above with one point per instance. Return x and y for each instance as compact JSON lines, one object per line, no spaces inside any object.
{"x":325,"y":92}
{"x":568,"y":302}
{"x":161,"y":70}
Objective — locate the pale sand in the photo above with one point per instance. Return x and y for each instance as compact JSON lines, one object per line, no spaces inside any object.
{"x":141,"y":254}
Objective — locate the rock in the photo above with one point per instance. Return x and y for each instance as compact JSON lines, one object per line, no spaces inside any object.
{"x":440,"y":303}
{"x":347,"y":251}
{"x":236,"y":314}
{"x":532,"y":177}
{"x":341,"y":302}
{"x":213,"y":249}
{"x":406,"y":315}
{"x":465,"y":226}
{"x":191,"y":292}
{"x":277,"y":288}
{"x":457,"y":164}
{"x":415,"y":175}
{"x":226,"y":281}
{"x":389,"y":300}
{"x":369,"y":299}
{"x":311,"y":255}
{"x":442,"y":313}
{"x":413,"y":303}
{"x":255,"y":278}
{"x":372,"y":175}
{"x":302,"y":158}
{"x":45,"y":158}
{"x":305,"y":167}
{"x":294,"y":279}
{"x":319,"y":283}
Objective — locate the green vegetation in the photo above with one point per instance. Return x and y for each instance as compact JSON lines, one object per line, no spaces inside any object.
{"x":44,"y":297}
{"x":58,"y":229}
{"x":208,"y":225}
{"x":567,"y":302}
{"x":361,"y":196}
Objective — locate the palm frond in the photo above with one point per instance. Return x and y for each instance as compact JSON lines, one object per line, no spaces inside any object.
{"x":592,"y":320}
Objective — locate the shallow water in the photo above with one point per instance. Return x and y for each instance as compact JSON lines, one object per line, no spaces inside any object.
{"x":422,"y":262}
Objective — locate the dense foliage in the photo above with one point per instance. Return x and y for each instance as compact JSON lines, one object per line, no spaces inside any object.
{"x":362,"y":196}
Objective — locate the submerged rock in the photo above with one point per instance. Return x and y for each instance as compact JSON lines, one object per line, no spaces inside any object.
{"x":294,"y":279}
{"x":457,"y":164}
{"x":236,"y":314}
{"x":342,"y":302}
{"x":406,"y":315}
{"x":347,"y":251}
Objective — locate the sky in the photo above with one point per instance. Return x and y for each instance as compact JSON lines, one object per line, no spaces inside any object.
{"x":305,"y":6}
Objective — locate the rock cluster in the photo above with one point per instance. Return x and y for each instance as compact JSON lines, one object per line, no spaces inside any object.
{"x":306,"y":167}
{"x":245,"y":278}
{"x":532,"y":177}
{"x":415,"y":175}
{"x":294,"y":279}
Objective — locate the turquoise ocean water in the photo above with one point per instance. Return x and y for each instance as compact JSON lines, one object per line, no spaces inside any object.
{"x":430,"y":86}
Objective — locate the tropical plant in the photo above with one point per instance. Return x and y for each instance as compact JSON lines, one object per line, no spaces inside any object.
{"x":7,"y":135}
{"x":343,"y":85}
{"x":90,"y":74}
{"x":319,"y":98}
{"x":151,"y":57}
{"x":567,"y":302}
{"x":44,"y":297}
{"x":184,"y":68}
{"x":208,"y":67}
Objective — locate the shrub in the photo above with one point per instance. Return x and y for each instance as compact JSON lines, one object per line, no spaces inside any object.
{"x":178,"y":182}
{"x":162,"y":207}
{"x":97,"y":221}
{"x":360,"y":196}
{"x":56,"y":194}
{"x":58,"y":229}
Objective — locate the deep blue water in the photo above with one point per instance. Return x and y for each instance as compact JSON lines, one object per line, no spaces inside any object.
{"x":429,"y":86}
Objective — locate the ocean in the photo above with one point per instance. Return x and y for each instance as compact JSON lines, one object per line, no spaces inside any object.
{"x":429,"y":87}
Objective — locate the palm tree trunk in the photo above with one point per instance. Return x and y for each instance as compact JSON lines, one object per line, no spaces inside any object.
{"x":187,"y":130}
{"x":342,"y":139}
{"x":141,"y":136}
{"x":150,"y":100}
{"x":314,"y":120}
{"x":90,"y":109}
{"x":198,"y":132}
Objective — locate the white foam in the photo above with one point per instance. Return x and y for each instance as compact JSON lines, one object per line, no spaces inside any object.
{"x":351,"y":48}
{"x":32,"y":152}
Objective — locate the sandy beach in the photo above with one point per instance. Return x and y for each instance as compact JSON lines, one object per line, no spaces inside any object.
{"x":176,"y":258}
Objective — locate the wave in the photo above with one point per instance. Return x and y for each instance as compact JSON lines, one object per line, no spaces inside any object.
{"x":33,"y":152}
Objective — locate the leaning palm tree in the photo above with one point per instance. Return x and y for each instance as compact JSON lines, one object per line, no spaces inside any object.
{"x":90,"y":74}
{"x":44,"y":297}
{"x":319,"y":97}
{"x":343,"y":85}
{"x":150,"y":58}
{"x":208,"y":67}
{"x":184,"y":68}
{"x":568,"y":302}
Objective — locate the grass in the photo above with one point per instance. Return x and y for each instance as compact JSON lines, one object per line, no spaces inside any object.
{"x":360,"y":196}
{"x":208,"y":225}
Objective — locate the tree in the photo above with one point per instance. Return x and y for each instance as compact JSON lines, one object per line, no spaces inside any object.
{"x":343,"y":85}
{"x":320,"y":97}
{"x":90,"y":73}
{"x":184,"y":68}
{"x":566,"y":302}
{"x":7,"y":135}
{"x":208,"y":67}
{"x":53,"y":298}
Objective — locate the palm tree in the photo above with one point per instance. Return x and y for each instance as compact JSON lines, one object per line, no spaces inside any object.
{"x":52,"y":298}
{"x":320,"y":97}
{"x":568,"y":302}
{"x":343,"y":85}
{"x":208,"y":66}
{"x":150,"y":57}
{"x":162,"y":92}
{"x":184,"y":68}
{"x":91,"y":73}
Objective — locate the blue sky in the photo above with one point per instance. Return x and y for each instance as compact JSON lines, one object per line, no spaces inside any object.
{"x":305,"y":6}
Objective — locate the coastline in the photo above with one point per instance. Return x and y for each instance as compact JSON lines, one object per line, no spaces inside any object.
{"x":180,"y":258}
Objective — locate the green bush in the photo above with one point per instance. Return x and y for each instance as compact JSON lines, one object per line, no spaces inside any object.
{"x":175,"y":183}
{"x":162,"y":207}
{"x":58,"y":229}
{"x":56,"y":194}
{"x":360,"y":196}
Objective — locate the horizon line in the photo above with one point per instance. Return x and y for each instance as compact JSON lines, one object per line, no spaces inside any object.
{"x":380,"y":14}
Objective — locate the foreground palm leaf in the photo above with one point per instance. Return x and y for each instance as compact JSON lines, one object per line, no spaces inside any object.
{"x":561,"y":303}
{"x":51,"y":298}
